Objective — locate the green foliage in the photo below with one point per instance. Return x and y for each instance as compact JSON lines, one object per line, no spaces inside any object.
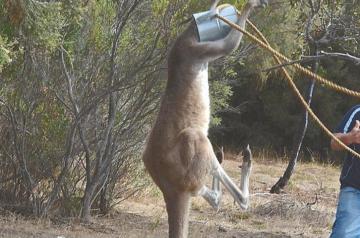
{"x":44,"y":24}
{"x":159,"y":7}
{"x":5,"y":53}
{"x":220,"y":94}
{"x":102,"y":14}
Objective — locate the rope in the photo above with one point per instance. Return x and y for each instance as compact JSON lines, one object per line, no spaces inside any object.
{"x":297,"y":66}
{"x":276,"y":56}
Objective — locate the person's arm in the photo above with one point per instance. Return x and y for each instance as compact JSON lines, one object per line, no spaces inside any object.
{"x":352,"y":137}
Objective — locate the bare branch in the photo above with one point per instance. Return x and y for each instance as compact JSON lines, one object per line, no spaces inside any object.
{"x":342,"y":56}
{"x":322,"y":55}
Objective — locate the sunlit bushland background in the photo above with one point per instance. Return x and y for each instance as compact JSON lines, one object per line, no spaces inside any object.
{"x":81,"y":81}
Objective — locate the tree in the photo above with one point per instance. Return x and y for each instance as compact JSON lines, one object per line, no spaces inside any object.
{"x":81,"y":106}
{"x":319,"y":38}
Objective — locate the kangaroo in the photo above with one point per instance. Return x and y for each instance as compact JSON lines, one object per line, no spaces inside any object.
{"x":245,"y":168}
{"x":178,"y":155}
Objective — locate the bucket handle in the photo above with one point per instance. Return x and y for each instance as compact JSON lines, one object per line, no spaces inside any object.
{"x":208,"y":16}
{"x":222,"y":6}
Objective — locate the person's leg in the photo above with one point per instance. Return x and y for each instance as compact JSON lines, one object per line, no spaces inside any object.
{"x":347,"y":221}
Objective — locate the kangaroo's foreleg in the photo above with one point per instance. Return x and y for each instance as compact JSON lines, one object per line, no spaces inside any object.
{"x":214,"y":4}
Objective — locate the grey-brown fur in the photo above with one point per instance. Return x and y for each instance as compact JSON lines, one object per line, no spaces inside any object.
{"x":178,"y":154}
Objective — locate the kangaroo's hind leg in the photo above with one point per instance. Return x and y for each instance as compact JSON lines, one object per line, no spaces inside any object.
{"x":245,"y":174}
{"x":213,"y":196}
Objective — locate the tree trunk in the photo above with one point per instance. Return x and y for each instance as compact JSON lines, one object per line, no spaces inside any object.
{"x":92,"y":190}
{"x":103,"y":201}
{"x":283,"y":181}
{"x":87,"y":202}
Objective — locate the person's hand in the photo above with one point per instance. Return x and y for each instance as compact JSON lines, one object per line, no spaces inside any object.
{"x":355,"y":133}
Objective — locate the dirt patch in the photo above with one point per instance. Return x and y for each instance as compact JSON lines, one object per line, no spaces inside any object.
{"x":287,"y":209}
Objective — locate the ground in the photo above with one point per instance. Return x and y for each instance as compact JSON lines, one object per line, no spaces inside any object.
{"x":305,"y":209}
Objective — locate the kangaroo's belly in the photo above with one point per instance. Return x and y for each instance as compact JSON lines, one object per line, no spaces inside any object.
{"x":201,"y":85}
{"x":186,"y":102}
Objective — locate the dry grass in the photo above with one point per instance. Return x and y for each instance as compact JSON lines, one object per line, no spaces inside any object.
{"x":291,"y":214}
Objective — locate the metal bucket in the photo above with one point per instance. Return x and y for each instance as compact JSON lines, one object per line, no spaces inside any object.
{"x":211,"y":28}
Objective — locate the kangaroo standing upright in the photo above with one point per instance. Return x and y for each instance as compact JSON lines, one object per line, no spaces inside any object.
{"x":178,"y":154}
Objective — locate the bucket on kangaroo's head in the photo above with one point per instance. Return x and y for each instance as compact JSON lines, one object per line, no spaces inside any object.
{"x":210,"y":28}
